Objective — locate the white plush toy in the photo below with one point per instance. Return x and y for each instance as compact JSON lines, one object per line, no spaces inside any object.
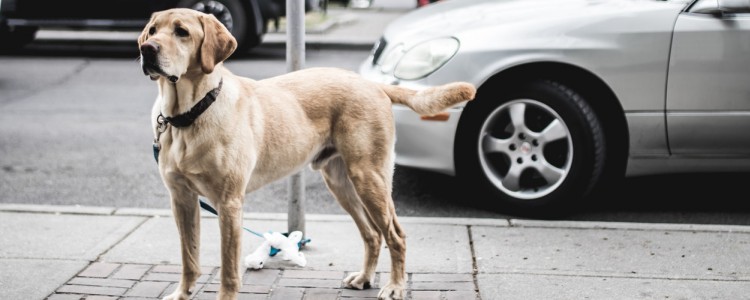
{"x":288,"y":246}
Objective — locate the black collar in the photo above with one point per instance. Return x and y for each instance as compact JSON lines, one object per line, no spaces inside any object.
{"x":187,"y":119}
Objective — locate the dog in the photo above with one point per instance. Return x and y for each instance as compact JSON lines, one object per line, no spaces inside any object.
{"x":221,"y":136}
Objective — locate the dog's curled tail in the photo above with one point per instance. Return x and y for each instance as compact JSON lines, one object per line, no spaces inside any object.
{"x":432,"y":100}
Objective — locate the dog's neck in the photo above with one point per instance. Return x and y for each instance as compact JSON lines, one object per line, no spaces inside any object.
{"x":180,"y":97}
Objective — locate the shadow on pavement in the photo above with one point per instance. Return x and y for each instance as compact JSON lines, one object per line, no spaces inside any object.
{"x":700,"y":198}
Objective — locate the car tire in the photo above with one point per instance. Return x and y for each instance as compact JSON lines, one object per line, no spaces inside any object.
{"x":537,"y":149}
{"x":16,"y":37}
{"x":233,"y":15}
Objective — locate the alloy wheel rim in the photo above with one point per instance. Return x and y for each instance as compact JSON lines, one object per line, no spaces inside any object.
{"x":525,"y":149}
{"x":219,"y":10}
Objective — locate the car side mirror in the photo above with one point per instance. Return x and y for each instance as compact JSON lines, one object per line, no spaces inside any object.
{"x":720,"y":7}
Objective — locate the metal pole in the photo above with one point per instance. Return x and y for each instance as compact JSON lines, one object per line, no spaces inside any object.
{"x":295,"y":60}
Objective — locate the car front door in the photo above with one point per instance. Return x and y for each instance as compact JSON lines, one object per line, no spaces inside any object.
{"x":708,"y":85}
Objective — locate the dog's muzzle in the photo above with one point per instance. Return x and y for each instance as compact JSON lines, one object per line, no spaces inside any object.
{"x":150,"y":62}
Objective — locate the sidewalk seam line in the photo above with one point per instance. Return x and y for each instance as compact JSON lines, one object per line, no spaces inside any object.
{"x":99,"y":257}
{"x":475,"y":268}
{"x":620,"y":276}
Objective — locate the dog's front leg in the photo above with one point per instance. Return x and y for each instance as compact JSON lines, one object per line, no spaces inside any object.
{"x":230,"y":226}
{"x":187,"y":217}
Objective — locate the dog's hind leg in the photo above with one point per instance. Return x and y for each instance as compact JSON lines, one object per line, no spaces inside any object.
{"x":187,"y":217}
{"x":373,"y":185}
{"x":334,"y":173}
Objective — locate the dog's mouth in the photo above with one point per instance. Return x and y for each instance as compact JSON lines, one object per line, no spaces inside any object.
{"x":154,"y":70}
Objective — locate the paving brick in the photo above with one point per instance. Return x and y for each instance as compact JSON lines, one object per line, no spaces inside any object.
{"x":313,"y":274}
{"x":174,"y":277}
{"x":133,"y":272}
{"x":383,"y":279}
{"x":148,"y":289}
{"x":173,"y":286}
{"x":250,"y":289}
{"x":206,"y":296}
{"x":262,"y":276}
{"x":460,"y":295}
{"x":285,"y":293}
{"x":442,"y":277}
{"x":101,"y":298}
{"x":358,"y":294}
{"x":91,"y":290}
{"x":167,"y":269}
{"x":65,"y":297}
{"x":252,"y":296}
{"x":321,"y":294}
{"x":319,"y":283}
{"x":212,"y":296}
{"x":442,"y":286}
{"x":102,"y":282}
{"x":212,"y":287}
{"x":98,"y":269}
{"x":178,"y":269}
{"x":426,"y":295}
{"x":255,"y":289}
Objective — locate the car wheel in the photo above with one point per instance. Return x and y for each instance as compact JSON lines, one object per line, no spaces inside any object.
{"x":16,"y":37}
{"x":537,"y":150}
{"x":231,"y":13}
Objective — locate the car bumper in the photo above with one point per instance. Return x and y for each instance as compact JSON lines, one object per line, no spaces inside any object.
{"x":422,"y":144}
{"x":425,"y":144}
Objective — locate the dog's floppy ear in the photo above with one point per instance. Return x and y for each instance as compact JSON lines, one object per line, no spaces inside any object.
{"x":218,"y":43}
{"x":144,"y":34}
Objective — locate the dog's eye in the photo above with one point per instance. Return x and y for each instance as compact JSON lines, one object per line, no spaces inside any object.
{"x":181,"y":32}
{"x":152,"y":30}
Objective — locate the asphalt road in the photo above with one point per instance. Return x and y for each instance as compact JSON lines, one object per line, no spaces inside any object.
{"x":74,"y":130}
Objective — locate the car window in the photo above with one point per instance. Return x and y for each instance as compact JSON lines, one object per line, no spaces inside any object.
{"x":719,"y":7}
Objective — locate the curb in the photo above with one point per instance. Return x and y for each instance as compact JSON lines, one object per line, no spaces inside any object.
{"x":510,"y":223}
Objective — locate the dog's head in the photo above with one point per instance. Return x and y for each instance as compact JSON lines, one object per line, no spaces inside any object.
{"x":181,"y":40}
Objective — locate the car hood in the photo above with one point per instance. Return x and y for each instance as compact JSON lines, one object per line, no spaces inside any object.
{"x":452,"y":17}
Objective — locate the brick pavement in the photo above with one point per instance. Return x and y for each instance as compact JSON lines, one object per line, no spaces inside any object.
{"x":110,"y":281}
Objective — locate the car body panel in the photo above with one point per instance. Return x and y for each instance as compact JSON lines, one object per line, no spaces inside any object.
{"x":416,"y":139}
{"x":626,"y":43}
{"x":714,"y":53}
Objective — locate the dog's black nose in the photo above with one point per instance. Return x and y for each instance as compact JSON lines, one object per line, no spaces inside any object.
{"x":149,"y":49}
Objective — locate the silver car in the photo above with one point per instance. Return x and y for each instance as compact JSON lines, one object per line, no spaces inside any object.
{"x":572,"y":94}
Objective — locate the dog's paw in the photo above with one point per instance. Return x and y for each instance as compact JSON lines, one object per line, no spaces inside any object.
{"x":177,"y":295}
{"x":357,"y":280}
{"x":391,"y":292}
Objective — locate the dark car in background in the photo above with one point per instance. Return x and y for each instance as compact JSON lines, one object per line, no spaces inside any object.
{"x":21,"y":19}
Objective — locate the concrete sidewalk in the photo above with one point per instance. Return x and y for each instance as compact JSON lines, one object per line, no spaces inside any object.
{"x":61,"y":252}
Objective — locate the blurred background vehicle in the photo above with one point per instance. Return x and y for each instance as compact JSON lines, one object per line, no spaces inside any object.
{"x":572,"y":94}
{"x":368,"y":3}
{"x":20,"y":19}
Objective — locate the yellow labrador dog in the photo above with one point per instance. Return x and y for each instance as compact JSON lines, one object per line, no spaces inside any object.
{"x":222,"y":136}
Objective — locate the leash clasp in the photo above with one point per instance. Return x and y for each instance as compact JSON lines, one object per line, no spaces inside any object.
{"x":162,"y":123}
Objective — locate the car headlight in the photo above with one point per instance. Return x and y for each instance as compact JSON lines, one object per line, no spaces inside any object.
{"x":424,"y":58}
{"x":388,"y":63}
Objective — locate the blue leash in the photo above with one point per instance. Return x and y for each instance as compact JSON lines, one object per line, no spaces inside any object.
{"x":274,"y":251}
{"x":210,"y":209}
